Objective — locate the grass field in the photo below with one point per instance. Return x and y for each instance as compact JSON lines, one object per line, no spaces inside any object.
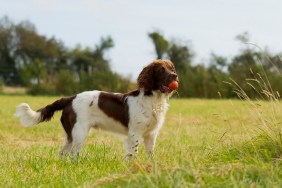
{"x":204,"y":143}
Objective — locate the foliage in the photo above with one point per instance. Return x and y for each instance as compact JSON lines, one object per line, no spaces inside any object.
{"x":66,"y":78}
{"x":213,"y":79}
{"x":160,"y":43}
{"x":8,"y":70}
{"x":24,"y":50}
{"x":1,"y":86}
{"x":45,"y":66}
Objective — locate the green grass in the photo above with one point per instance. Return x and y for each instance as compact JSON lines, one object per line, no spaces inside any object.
{"x":204,"y":143}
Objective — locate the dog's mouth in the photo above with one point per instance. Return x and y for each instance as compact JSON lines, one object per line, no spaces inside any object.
{"x":165,"y":89}
{"x":168,"y":88}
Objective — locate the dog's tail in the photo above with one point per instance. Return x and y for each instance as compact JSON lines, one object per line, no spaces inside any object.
{"x":29,"y":117}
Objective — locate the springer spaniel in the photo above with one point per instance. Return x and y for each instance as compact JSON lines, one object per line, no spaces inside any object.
{"x":138,"y":114}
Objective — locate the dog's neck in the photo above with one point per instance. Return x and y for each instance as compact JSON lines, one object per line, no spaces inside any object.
{"x":155,"y":93}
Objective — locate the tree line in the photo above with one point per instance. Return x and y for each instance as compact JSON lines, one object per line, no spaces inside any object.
{"x":46,"y":66}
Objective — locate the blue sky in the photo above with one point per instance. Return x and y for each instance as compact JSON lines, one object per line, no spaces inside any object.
{"x":207,"y":26}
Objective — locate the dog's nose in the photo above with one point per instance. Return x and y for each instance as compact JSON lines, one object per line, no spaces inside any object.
{"x":174,"y":76}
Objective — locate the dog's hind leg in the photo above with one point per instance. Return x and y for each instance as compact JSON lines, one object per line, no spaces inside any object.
{"x":65,"y":149}
{"x":68,"y":120}
{"x":79,"y":133}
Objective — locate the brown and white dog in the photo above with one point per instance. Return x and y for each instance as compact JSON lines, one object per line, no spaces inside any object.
{"x":138,"y":114}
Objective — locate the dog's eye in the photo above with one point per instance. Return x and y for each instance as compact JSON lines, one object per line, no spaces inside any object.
{"x":173,"y":69}
{"x":163,"y":69}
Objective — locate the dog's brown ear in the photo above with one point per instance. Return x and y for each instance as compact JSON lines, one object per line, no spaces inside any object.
{"x":145,"y":79}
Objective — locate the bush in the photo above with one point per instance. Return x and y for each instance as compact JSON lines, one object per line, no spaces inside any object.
{"x":104,"y":80}
{"x":1,"y":86}
{"x":65,"y":83}
{"x":42,"y":89}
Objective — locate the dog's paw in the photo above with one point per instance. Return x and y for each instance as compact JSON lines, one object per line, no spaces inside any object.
{"x":128,"y":157}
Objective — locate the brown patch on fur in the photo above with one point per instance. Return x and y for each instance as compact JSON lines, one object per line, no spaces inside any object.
{"x":68,"y":117}
{"x":115,"y":106}
{"x":91,"y":104}
{"x":68,"y":120}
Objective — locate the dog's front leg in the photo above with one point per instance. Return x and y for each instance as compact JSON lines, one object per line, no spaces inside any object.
{"x":131,"y":144}
{"x":149,"y":141}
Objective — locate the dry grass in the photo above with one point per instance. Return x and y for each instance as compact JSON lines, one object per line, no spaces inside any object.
{"x":14,"y":90}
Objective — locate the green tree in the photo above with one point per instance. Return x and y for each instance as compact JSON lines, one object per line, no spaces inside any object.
{"x":180,"y":55}
{"x":100,"y":61}
{"x":35,"y":52}
{"x":45,"y":65}
{"x":88,"y":60}
{"x":218,"y":76}
{"x":23,"y":50}
{"x":160,"y":43}
{"x":8,"y":70}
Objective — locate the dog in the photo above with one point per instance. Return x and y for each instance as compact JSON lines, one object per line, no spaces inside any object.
{"x":138,"y":114}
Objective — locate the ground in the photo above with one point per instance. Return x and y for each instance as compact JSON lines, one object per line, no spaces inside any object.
{"x":203,"y":143}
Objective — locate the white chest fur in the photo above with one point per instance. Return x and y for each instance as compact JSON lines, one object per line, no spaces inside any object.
{"x":147,"y":112}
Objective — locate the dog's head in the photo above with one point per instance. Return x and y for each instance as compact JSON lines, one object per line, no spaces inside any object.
{"x":157,"y":76}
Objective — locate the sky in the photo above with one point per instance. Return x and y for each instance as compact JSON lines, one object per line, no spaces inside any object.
{"x":207,"y":26}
